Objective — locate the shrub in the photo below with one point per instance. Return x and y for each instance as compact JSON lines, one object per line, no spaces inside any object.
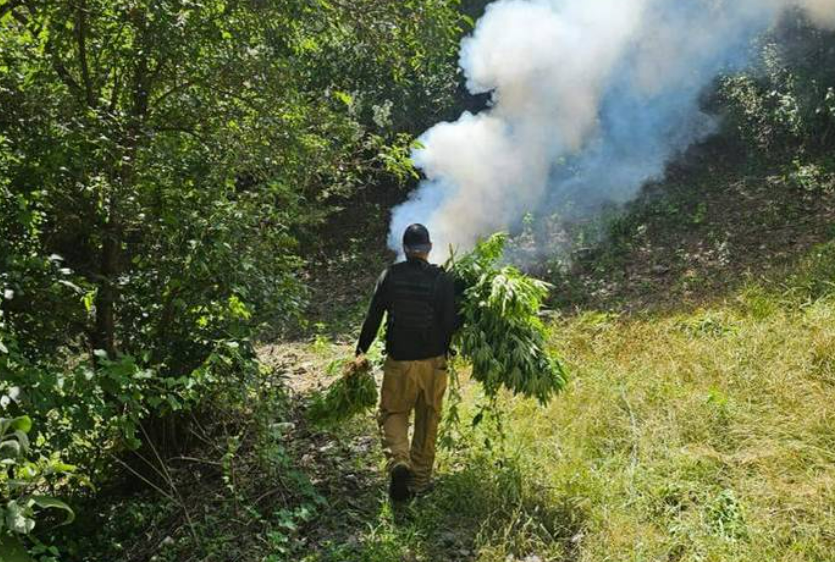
{"x":22,"y":481}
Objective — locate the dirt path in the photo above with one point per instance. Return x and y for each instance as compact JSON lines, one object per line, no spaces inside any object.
{"x":355,"y":521}
{"x":343,"y":467}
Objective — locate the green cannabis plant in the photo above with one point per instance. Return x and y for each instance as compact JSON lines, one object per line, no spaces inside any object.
{"x":502,"y":335}
{"x":354,"y":393}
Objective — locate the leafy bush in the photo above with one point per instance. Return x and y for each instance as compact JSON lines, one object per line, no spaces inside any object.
{"x":159,"y":163}
{"x":22,"y":481}
{"x":810,"y":178}
{"x":788,"y":101}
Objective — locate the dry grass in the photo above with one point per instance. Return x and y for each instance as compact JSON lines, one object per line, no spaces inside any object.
{"x":708,"y":436}
{"x":705,"y":435}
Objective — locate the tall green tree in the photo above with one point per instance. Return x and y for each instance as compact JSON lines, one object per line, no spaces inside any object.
{"x":158,"y":161}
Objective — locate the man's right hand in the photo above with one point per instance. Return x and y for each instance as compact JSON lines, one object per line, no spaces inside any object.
{"x":360,"y":363}
{"x":361,"y":359}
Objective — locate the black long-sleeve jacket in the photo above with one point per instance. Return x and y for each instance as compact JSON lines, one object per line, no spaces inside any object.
{"x":418,"y":300}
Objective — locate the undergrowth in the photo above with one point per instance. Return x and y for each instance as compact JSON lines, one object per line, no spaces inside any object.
{"x":703,"y":435}
{"x":237,"y":494}
{"x":698,"y":436}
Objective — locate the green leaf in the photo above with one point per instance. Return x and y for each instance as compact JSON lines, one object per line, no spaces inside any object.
{"x":58,"y":467}
{"x":344,"y":97}
{"x":22,"y":439}
{"x":13,"y":447}
{"x":71,"y":285}
{"x":88,"y":299}
{"x":48,"y":502}
{"x":22,"y":423}
{"x":19,"y":518}
{"x":174,"y":403}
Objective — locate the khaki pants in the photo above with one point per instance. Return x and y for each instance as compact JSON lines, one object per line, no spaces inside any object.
{"x":407,"y":386}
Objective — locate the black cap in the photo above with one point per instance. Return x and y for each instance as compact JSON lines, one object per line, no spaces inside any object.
{"x":416,"y":239}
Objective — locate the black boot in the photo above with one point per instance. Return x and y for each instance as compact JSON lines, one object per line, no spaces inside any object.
{"x":399,"y":485}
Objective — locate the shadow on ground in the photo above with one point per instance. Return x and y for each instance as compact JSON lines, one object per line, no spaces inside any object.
{"x":482,"y":508}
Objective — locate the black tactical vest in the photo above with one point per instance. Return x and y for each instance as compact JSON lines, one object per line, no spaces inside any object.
{"x":412,"y":319}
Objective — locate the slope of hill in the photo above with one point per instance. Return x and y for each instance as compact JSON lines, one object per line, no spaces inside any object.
{"x":699,"y":422}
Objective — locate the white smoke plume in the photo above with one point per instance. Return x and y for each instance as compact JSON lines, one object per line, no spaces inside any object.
{"x":590,"y":99}
{"x":822,"y":12}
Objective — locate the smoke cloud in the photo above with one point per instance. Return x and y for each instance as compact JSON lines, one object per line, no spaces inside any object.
{"x":590,"y":100}
{"x":822,"y":12}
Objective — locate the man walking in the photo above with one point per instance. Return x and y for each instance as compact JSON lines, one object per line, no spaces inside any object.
{"x":418,"y":300}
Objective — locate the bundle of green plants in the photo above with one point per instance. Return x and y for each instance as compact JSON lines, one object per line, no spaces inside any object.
{"x":502,"y":335}
{"x":354,"y":393}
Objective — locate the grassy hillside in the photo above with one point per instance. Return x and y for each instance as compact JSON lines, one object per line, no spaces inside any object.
{"x":697,"y":426}
{"x":700,"y":436}
{"x":720,"y":218}
{"x":705,"y":435}
{"x":699,"y":421}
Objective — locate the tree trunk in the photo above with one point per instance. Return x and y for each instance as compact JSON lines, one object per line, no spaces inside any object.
{"x":105,"y":332}
{"x":122,"y":179}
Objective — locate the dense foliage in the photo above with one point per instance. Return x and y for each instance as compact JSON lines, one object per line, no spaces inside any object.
{"x":21,"y":481}
{"x":159,"y":164}
{"x":501,"y":333}
{"x":785,"y":104}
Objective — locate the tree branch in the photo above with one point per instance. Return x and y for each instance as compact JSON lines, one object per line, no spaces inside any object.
{"x":107,"y":41}
{"x":81,"y":39}
{"x":63,"y":73}
{"x":183,"y":130}
{"x":141,"y":83}
{"x":172,"y":90}
{"x":117,"y":87}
